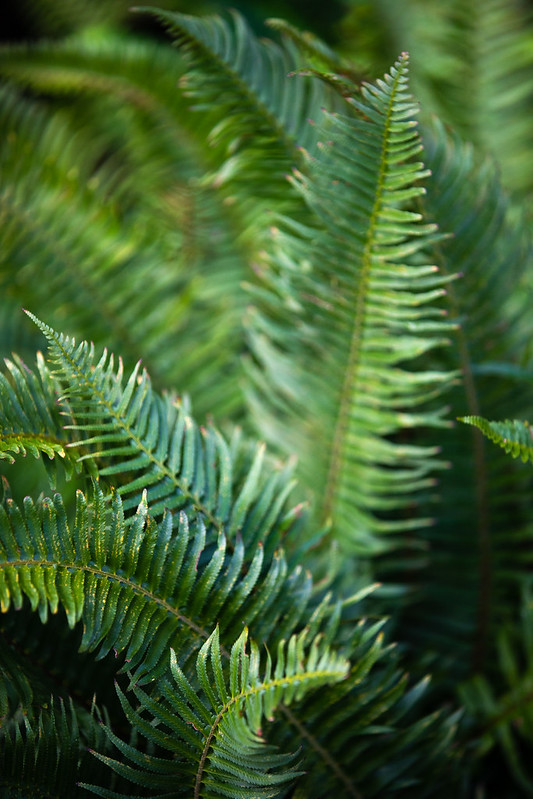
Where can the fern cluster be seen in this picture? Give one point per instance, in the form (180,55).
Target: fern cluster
(265,560)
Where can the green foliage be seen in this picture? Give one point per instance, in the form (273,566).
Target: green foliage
(513,436)
(206,559)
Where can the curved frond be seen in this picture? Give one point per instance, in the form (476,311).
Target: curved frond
(247,84)
(139,588)
(216,739)
(348,307)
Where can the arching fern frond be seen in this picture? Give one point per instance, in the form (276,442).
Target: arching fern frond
(216,738)
(247,84)
(145,442)
(259,114)
(348,306)
(515,437)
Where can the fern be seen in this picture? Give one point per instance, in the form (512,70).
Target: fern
(220,737)
(185,609)
(140,587)
(513,436)
(349,391)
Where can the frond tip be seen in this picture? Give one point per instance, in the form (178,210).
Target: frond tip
(514,436)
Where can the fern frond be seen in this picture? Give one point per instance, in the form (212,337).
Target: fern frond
(482,497)
(260,115)
(75,247)
(30,420)
(217,741)
(471,65)
(137,587)
(515,437)
(247,84)
(46,756)
(348,307)
(146,442)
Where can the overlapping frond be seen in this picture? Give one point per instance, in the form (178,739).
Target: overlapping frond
(471,64)
(348,306)
(247,86)
(140,587)
(215,733)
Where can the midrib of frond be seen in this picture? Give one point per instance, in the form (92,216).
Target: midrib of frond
(331,763)
(338,445)
(71,567)
(162,468)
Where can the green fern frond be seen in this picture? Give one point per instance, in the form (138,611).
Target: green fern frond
(348,307)
(46,756)
(471,65)
(515,437)
(247,83)
(83,241)
(30,422)
(150,443)
(217,741)
(259,113)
